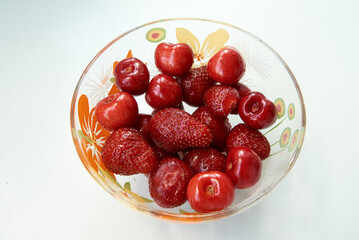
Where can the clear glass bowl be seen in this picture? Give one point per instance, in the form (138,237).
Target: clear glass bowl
(266,72)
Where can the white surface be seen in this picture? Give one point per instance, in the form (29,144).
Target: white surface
(45,192)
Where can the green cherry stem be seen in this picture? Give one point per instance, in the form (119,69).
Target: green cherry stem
(276,125)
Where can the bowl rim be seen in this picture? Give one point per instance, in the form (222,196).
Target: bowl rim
(193,217)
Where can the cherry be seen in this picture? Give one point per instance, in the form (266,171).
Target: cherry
(257,111)
(174,59)
(132,76)
(180,106)
(168,183)
(210,191)
(243,167)
(142,126)
(117,111)
(242,90)
(163,92)
(162,154)
(205,159)
(226,66)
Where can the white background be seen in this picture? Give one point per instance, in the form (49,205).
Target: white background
(45,192)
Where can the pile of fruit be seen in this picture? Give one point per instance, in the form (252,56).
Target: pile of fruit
(197,157)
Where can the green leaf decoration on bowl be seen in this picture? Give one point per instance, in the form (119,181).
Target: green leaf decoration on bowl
(127,188)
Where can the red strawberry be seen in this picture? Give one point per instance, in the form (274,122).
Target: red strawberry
(242,135)
(174,130)
(126,152)
(220,127)
(205,159)
(221,100)
(194,84)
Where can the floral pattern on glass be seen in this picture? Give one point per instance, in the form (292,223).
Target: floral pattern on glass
(203,52)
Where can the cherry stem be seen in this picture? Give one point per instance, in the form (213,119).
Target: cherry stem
(210,189)
(255,107)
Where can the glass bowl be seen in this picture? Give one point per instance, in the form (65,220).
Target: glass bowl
(266,72)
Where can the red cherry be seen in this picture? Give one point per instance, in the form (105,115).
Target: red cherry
(180,106)
(162,154)
(242,90)
(168,183)
(205,159)
(142,126)
(226,66)
(132,76)
(257,111)
(243,167)
(174,59)
(163,92)
(117,111)
(210,191)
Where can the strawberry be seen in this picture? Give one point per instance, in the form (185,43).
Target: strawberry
(174,130)
(242,135)
(220,127)
(221,100)
(168,182)
(205,159)
(194,84)
(126,152)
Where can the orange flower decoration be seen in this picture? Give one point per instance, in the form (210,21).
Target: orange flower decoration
(92,135)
